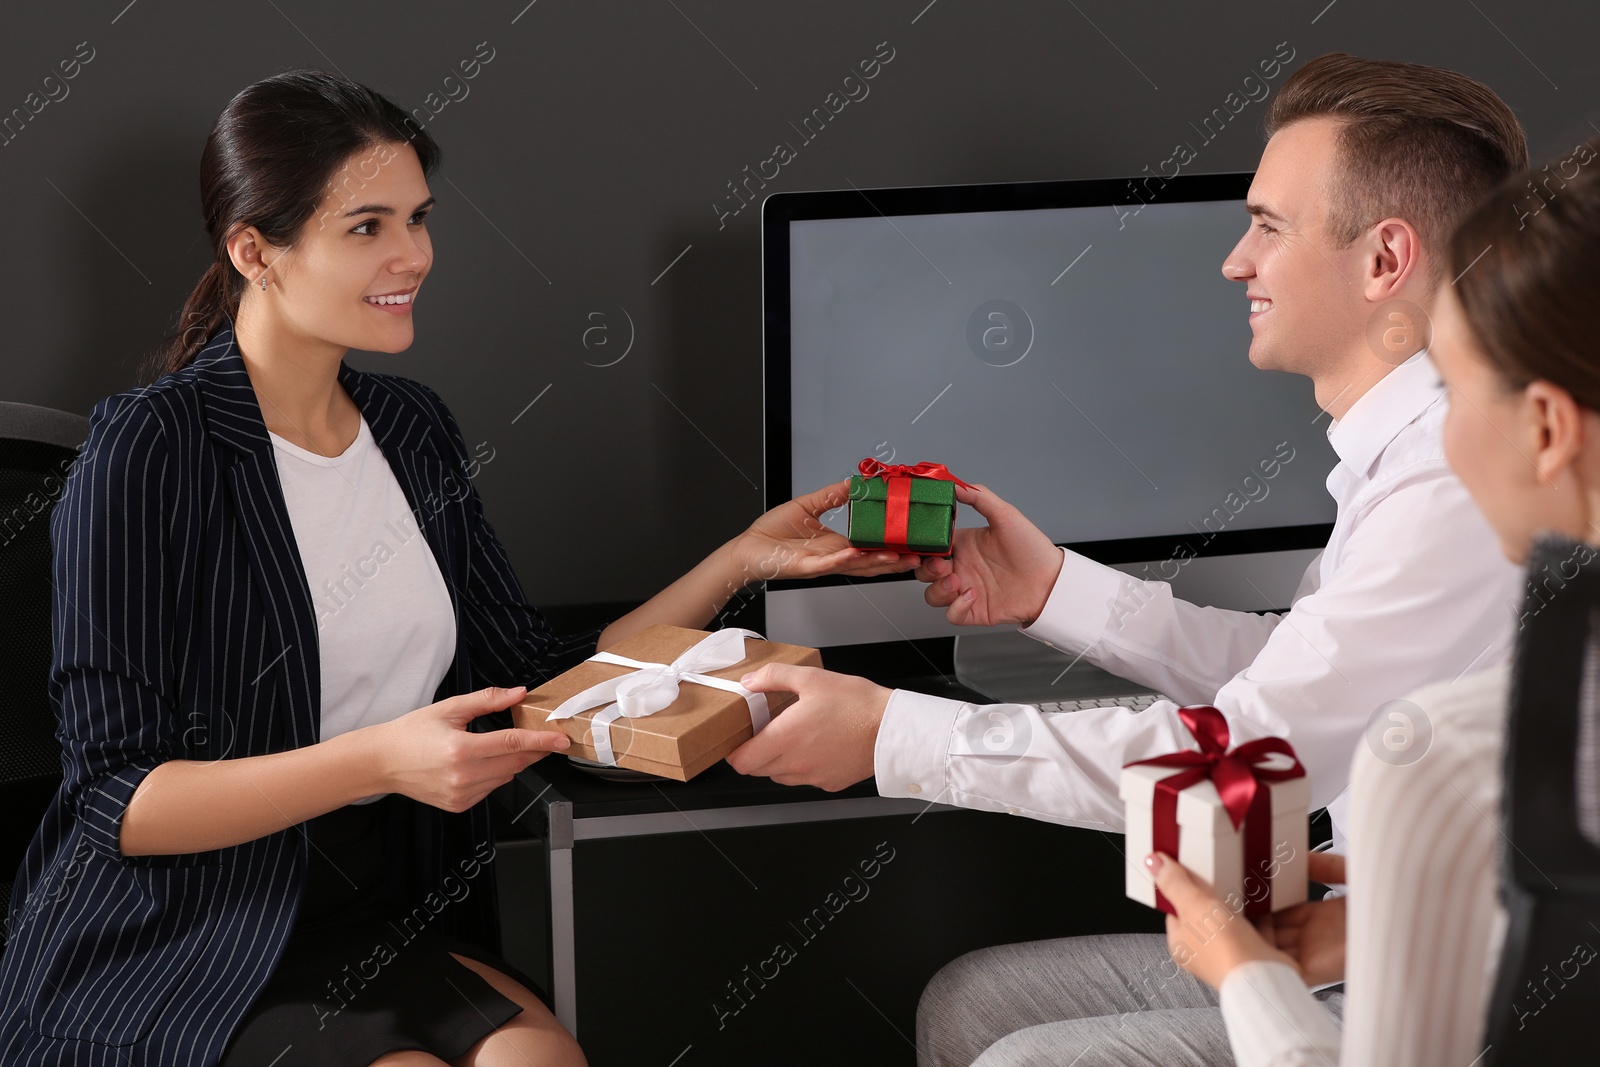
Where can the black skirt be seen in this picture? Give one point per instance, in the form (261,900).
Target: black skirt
(361,975)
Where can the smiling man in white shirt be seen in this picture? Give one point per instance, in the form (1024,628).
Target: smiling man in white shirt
(1367,168)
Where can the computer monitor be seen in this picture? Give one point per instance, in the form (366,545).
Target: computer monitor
(1072,345)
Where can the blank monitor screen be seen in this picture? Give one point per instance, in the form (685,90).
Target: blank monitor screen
(1080,354)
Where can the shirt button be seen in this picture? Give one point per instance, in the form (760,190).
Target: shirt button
(1012,811)
(913,788)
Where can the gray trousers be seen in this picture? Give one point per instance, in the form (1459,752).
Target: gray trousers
(1074,1002)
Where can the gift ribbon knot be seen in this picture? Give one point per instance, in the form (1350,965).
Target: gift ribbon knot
(652,687)
(1241,782)
(871,468)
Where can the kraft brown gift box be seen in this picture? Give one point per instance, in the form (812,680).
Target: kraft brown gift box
(699,728)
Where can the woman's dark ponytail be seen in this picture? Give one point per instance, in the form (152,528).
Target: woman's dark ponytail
(269,161)
(208,307)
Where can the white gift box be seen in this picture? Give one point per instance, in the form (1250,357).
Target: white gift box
(1209,845)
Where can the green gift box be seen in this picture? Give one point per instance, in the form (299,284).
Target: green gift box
(902,512)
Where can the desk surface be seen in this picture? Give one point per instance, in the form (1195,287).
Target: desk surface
(719,786)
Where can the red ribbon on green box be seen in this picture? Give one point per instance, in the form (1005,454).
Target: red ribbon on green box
(1240,782)
(916,517)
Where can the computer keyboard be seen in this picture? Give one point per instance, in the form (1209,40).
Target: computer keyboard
(1132,701)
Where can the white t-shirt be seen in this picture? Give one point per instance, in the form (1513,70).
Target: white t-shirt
(385,625)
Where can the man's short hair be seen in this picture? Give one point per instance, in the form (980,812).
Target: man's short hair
(1418,143)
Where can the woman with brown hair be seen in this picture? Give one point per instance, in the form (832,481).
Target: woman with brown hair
(277,606)
(1514,340)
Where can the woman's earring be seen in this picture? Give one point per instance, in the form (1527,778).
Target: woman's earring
(263,280)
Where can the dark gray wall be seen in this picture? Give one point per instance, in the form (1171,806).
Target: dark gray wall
(591,151)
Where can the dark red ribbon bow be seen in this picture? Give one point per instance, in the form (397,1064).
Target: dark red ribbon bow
(1239,783)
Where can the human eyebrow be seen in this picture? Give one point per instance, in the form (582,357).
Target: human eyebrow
(1263,211)
(385,209)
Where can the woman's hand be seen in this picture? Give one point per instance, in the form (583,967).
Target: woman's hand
(787,542)
(790,542)
(1206,938)
(431,756)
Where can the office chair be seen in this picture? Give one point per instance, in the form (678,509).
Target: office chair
(37,447)
(1547,990)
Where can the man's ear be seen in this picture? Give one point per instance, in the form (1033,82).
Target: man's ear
(1561,428)
(1391,258)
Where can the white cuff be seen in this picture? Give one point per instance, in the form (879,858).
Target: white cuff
(1273,1018)
(913,745)
(1079,606)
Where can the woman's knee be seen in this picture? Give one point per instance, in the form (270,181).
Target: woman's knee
(409,1058)
(534,1030)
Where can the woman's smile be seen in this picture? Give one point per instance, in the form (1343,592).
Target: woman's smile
(395,303)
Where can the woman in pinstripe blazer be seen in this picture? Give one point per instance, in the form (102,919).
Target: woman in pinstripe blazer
(159,893)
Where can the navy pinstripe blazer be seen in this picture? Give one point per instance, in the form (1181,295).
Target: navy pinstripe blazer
(184,629)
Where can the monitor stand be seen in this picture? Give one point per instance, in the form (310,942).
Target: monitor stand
(1011,667)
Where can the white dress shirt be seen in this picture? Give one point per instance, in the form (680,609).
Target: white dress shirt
(1425,923)
(1411,588)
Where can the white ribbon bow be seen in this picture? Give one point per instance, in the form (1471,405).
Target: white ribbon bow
(654,686)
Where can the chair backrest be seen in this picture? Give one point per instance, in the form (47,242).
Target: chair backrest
(37,447)
(1546,995)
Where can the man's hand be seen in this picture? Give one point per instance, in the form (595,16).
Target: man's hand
(826,738)
(999,573)
(1312,934)
(790,542)
(1206,938)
